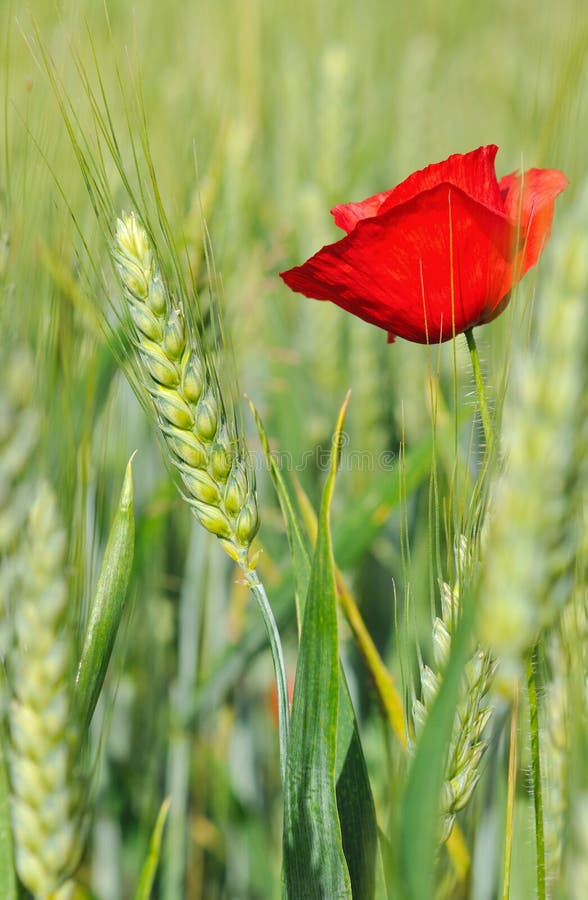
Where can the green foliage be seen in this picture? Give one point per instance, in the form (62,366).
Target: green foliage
(355,805)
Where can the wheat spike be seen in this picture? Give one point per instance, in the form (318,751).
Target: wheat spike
(219,484)
(565,732)
(473,712)
(43,754)
(19,433)
(203,445)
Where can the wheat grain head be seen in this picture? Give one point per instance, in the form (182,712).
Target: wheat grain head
(473,713)
(44,743)
(184,388)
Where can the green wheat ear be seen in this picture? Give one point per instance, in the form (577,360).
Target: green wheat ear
(19,435)
(179,379)
(473,712)
(47,791)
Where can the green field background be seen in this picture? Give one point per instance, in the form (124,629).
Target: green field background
(261,115)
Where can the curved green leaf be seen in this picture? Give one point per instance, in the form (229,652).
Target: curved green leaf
(108,605)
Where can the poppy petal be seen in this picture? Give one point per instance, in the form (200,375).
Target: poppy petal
(472,172)
(423,271)
(347,215)
(529,202)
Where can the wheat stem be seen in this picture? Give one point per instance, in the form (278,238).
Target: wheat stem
(510,797)
(258,591)
(536,770)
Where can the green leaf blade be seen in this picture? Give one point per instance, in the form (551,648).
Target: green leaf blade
(149,870)
(108,604)
(355,803)
(420,808)
(314,860)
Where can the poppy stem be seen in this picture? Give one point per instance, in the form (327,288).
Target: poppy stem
(487,423)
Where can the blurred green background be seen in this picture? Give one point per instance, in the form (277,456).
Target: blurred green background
(264,114)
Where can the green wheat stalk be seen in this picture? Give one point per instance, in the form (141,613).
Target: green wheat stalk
(201,440)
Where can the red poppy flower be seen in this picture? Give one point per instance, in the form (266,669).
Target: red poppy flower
(440,252)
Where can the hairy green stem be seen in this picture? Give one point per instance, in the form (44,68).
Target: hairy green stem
(510,798)
(536,770)
(487,423)
(260,595)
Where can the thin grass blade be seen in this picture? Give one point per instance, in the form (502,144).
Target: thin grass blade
(358,528)
(149,870)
